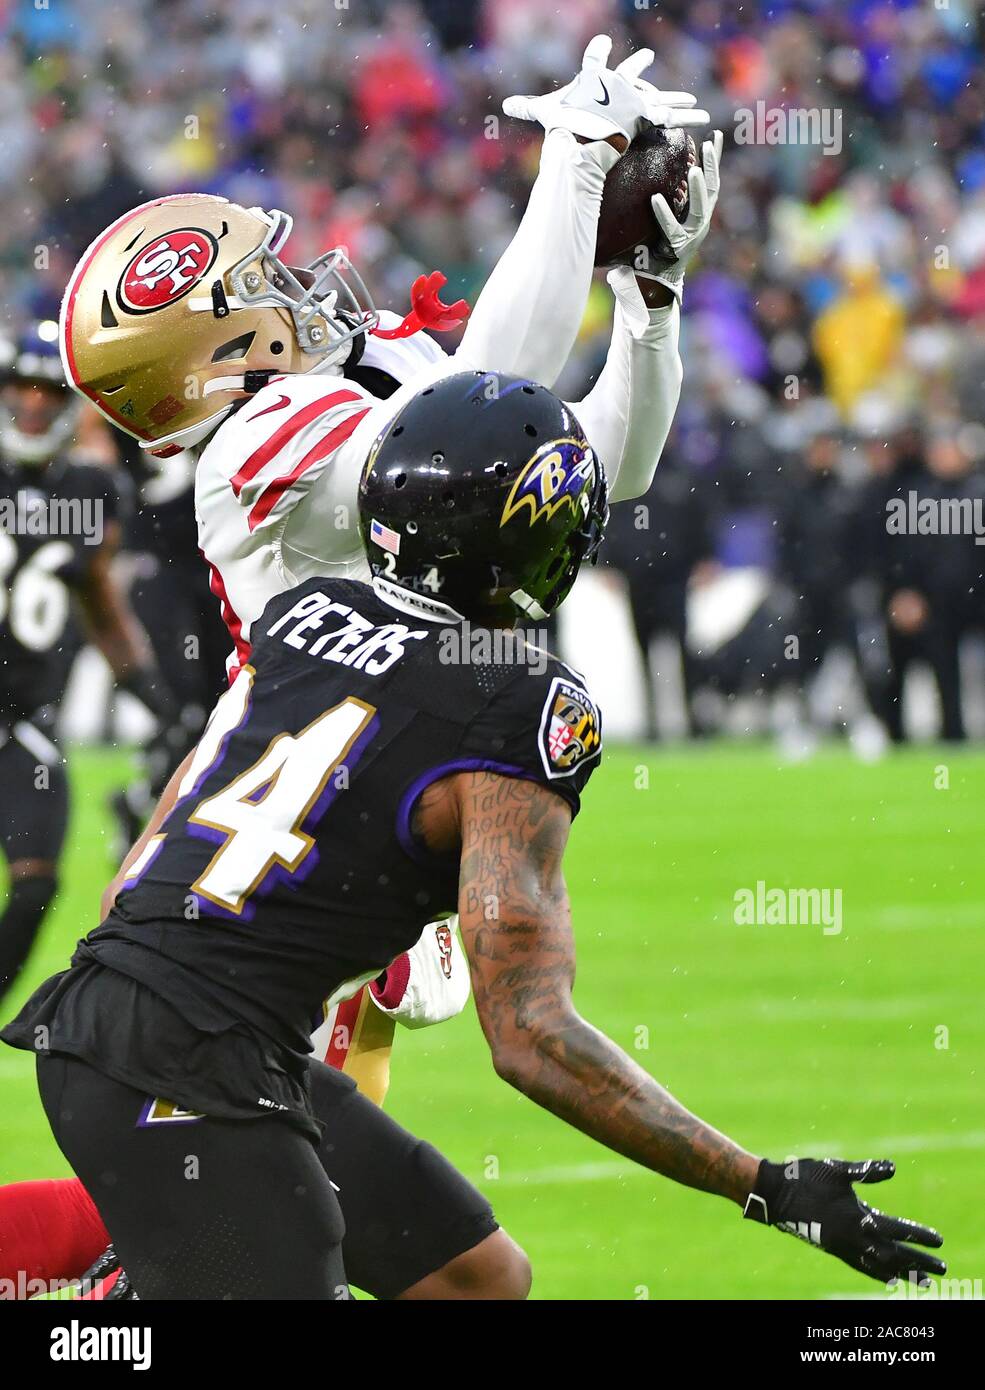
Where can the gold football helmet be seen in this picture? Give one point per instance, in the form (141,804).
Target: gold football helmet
(184,305)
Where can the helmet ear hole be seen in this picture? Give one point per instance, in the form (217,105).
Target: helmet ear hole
(235,347)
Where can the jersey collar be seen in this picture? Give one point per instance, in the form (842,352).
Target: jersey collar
(417,605)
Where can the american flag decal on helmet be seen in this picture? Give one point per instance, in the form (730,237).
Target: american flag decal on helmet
(383,536)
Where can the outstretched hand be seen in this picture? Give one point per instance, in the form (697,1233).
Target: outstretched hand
(815,1200)
(601,101)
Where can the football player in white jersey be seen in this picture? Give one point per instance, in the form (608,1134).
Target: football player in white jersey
(185,327)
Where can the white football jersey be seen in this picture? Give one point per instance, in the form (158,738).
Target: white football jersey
(276,485)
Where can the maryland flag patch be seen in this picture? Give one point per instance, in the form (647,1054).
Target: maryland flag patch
(570,728)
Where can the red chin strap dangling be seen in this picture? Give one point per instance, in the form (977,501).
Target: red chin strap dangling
(427,310)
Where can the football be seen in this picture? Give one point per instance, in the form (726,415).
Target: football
(656,162)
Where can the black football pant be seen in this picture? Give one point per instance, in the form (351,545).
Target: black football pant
(202,1208)
(659,607)
(33,821)
(243,1209)
(939,647)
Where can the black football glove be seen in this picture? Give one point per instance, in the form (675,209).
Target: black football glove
(813,1199)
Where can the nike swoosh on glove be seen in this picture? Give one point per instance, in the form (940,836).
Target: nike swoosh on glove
(602,101)
(813,1199)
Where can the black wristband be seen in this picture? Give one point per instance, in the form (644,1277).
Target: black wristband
(763,1201)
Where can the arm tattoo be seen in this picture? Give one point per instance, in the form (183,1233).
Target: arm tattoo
(516,925)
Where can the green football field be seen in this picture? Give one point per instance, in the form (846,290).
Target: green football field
(868,1042)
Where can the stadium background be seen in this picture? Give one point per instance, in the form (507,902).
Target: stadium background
(859,277)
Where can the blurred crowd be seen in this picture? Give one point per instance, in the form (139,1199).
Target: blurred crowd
(833,340)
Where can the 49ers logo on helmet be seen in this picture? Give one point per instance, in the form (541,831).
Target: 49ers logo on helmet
(165,270)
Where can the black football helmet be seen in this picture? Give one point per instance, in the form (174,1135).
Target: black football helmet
(483,493)
(38,413)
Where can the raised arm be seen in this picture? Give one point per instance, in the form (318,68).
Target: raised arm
(516,927)
(629,411)
(529,313)
(527,317)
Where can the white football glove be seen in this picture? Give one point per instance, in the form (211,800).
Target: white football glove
(685,237)
(429,983)
(603,101)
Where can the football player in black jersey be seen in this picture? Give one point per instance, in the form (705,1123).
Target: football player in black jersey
(58,533)
(371,766)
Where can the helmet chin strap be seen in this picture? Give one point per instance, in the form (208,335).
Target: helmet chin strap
(250,382)
(529,605)
(254,379)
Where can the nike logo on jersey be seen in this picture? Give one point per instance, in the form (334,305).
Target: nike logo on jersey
(605,98)
(277,405)
(286,432)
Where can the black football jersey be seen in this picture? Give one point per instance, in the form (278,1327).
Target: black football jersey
(289,867)
(160,517)
(51,523)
